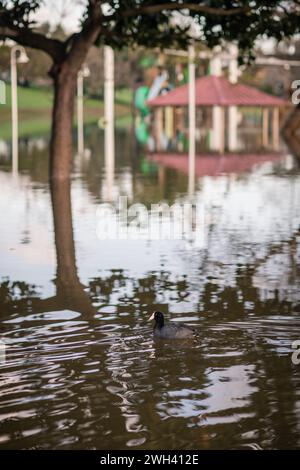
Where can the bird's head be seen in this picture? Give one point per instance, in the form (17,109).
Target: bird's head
(158,317)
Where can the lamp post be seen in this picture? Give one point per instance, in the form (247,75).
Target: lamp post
(17,56)
(192,120)
(83,73)
(233,110)
(217,111)
(109,130)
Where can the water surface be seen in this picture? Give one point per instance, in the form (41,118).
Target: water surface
(82,369)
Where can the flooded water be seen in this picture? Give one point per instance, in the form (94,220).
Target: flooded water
(81,367)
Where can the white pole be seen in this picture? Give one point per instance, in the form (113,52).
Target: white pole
(233,64)
(232,110)
(192,120)
(80,134)
(216,70)
(22,59)
(109,133)
(14,110)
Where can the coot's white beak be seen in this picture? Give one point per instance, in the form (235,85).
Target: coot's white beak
(152,317)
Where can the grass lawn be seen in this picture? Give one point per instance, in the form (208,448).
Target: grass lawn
(35,111)
(124,96)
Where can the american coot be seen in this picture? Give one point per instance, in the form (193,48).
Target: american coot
(172,330)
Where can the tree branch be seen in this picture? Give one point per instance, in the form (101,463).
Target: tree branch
(29,38)
(79,44)
(152,9)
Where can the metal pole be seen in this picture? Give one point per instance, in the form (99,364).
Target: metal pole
(192,120)
(232,110)
(22,59)
(14,111)
(80,132)
(109,134)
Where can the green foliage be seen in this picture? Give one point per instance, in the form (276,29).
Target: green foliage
(124,96)
(154,23)
(18,12)
(254,18)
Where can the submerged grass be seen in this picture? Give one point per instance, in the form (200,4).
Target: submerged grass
(35,112)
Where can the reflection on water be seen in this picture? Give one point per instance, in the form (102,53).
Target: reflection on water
(82,369)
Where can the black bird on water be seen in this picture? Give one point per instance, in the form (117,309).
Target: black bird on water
(172,330)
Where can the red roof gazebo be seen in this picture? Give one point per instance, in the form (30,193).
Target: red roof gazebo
(218,91)
(219,100)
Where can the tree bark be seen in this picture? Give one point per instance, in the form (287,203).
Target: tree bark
(64,74)
(61,148)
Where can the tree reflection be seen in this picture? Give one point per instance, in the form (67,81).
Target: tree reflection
(70,292)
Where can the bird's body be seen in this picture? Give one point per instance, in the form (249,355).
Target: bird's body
(172,330)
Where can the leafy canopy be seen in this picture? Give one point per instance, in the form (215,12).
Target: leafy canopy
(158,23)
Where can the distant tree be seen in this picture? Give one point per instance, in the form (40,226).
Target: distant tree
(127,23)
(36,69)
(4,60)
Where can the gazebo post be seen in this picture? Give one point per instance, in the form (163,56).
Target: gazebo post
(265,127)
(174,123)
(158,127)
(169,122)
(215,127)
(275,128)
(222,130)
(232,127)
(218,128)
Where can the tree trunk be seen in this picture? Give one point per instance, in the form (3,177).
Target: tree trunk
(62,121)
